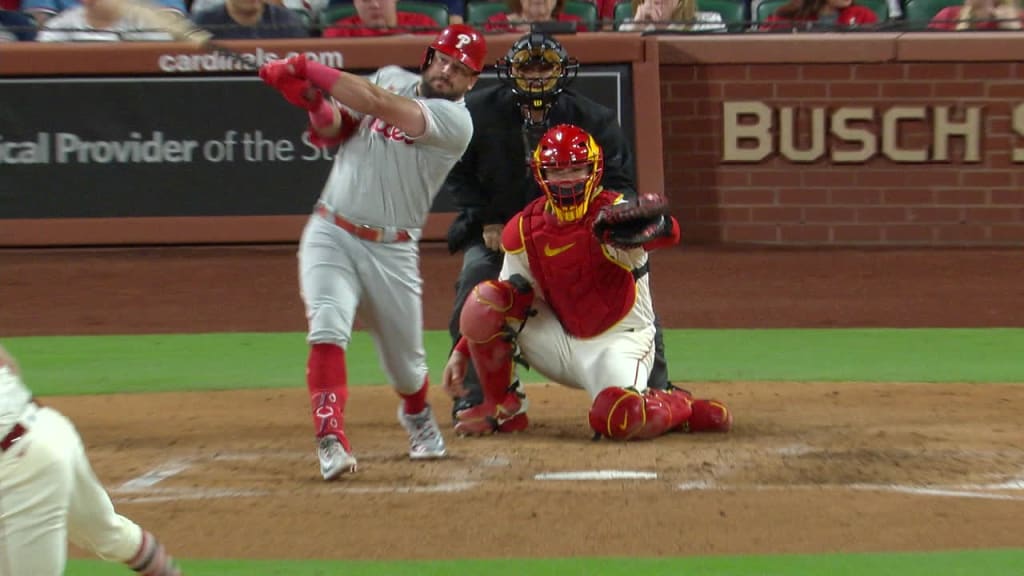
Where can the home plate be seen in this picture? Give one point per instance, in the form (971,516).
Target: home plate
(598,475)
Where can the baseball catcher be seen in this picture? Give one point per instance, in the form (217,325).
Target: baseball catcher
(573,301)
(492,181)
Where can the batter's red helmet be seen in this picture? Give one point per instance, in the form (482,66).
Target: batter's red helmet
(461,42)
(568,146)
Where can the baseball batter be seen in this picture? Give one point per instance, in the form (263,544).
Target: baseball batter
(49,493)
(399,135)
(577,310)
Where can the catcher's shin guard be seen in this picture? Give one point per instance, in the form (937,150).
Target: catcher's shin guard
(483,322)
(678,404)
(626,414)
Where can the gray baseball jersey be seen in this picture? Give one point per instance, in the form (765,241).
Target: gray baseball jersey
(381,177)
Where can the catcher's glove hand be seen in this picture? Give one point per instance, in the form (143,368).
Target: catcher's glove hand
(630,225)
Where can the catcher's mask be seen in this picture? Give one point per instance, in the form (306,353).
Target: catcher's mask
(538,69)
(568,165)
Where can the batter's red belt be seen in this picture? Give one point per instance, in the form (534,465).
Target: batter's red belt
(17,432)
(369,233)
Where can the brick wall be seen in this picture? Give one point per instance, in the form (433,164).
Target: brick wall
(875,202)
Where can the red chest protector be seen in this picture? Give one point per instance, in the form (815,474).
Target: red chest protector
(588,291)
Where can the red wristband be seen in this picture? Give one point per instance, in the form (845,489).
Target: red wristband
(323,77)
(462,346)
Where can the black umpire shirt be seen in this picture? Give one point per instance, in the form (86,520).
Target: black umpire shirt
(493,181)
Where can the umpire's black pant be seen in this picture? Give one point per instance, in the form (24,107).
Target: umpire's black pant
(480,263)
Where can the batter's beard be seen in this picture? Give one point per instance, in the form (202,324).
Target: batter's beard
(427,91)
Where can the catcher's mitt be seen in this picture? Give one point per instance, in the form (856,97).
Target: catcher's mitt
(632,224)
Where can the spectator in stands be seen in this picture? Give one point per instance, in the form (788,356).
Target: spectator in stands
(43,10)
(606,12)
(456,10)
(522,13)
(16,26)
(979,15)
(5,34)
(238,19)
(381,18)
(680,15)
(819,15)
(96,21)
(309,10)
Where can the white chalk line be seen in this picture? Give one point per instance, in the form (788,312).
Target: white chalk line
(977,491)
(143,488)
(183,494)
(598,475)
(155,476)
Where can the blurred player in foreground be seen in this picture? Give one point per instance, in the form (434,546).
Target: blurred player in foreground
(49,494)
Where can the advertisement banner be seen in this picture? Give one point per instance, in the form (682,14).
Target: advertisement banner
(179,146)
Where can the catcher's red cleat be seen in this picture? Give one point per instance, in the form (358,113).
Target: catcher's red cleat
(509,415)
(517,423)
(709,416)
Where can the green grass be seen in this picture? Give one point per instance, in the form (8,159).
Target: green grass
(967,563)
(104,364)
(93,365)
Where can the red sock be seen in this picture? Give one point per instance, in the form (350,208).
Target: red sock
(327,382)
(417,401)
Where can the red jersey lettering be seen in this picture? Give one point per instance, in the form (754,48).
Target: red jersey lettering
(388,131)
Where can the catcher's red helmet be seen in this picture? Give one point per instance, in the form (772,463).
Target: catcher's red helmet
(561,151)
(461,42)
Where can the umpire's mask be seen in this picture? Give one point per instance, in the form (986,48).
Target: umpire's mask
(537,69)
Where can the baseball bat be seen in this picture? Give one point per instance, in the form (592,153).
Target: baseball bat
(180,28)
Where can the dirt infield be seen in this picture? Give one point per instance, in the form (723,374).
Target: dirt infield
(809,467)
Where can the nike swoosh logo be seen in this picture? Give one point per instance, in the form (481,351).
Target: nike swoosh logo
(549,251)
(625,422)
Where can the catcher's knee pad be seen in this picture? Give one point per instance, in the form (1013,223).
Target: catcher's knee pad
(618,413)
(484,323)
(625,414)
(490,306)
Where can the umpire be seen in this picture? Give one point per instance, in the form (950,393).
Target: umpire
(492,182)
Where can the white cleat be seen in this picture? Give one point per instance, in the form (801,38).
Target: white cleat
(425,440)
(334,459)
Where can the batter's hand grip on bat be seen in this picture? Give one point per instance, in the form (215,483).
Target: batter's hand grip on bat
(298,91)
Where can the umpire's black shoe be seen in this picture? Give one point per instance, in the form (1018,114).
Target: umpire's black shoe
(476,397)
(464,403)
